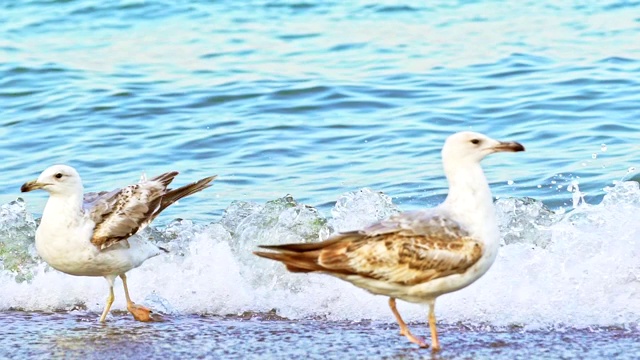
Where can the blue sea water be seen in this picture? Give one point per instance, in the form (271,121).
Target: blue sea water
(324,101)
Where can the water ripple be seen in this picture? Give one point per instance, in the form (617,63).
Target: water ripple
(318,99)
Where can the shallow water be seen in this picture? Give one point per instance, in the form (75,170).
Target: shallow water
(254,337)
(332,103)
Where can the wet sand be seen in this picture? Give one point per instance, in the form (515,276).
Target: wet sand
(79,335)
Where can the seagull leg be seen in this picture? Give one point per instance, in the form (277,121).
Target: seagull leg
(435,344)
(139,312)
(110,298)
(404,329)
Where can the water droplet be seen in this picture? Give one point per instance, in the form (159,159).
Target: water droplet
(510,182)
(577,195)
(553,181)
(560,186)
(594,156)
(539,186)
(584,164)
(603,147)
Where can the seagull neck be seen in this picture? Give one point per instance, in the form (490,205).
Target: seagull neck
(58,203)
(469,193)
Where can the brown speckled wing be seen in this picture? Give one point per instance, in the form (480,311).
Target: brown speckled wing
(121,213)
(409,248)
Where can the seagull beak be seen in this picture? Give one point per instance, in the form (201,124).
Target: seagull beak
(32,185)
(508,146)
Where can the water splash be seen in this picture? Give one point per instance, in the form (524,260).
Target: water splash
(576,269)
(524,220)
(17,252)
(355,210)
(577,196)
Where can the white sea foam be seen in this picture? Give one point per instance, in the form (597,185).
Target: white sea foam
(577,269)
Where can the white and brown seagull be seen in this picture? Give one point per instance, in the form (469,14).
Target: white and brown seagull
(417,256)
(89,234)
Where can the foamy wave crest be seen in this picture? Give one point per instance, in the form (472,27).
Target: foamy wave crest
(575,269)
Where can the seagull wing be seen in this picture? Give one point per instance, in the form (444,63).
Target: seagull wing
(121,213)
(91,197)
(409,248)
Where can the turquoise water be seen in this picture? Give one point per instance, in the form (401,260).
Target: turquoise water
(321,101)
(316,99)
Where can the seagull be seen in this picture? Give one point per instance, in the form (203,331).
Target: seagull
(417,256)
(90,234)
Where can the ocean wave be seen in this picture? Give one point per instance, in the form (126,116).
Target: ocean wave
(555,269)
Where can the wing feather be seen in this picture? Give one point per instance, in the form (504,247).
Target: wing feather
(121,213)
(409,248)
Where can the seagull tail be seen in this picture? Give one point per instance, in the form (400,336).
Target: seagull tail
(301,257)
(295,262)
(305,257)
(176,194)
(165,178)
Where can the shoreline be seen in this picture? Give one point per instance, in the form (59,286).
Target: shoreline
(37,335)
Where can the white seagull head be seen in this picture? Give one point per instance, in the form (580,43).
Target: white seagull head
(471,147)
(56,180)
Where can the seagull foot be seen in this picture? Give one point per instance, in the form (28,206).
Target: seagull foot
(142,313)
(414,339)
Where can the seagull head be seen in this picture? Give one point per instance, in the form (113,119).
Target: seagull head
(57,179)
(467,146)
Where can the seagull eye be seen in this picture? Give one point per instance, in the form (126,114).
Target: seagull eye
(58,176)
(475,141)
